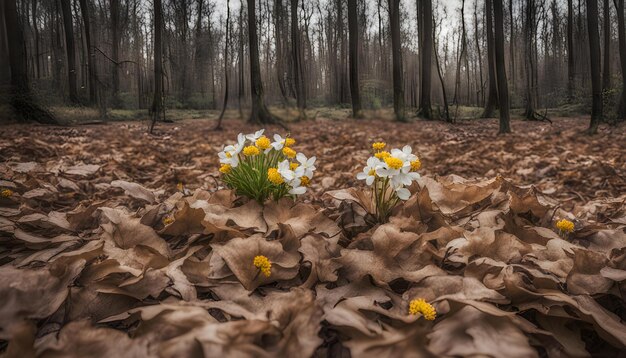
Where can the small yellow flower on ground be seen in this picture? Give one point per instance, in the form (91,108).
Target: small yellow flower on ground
(289,153)
(6,193)
(379,145)
(274,176)
(264,264)
(289,142)
(293,166)
(225,168)
(168,220)
(421,306)
(394,163)
(565,226)
(416,165)
(305,181)
(382,155)
(251,151)
(263,143)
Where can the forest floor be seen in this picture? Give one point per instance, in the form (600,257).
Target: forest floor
(90,266)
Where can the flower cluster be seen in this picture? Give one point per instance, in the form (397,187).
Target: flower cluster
(389,173)
(565,226)
(260,169)
(264,264)
(421,306)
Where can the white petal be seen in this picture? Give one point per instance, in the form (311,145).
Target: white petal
(301,158)
(369,180)
(403,193)
(298,190)
(361,176)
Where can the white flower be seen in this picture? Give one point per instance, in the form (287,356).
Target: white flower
(285,171)
(235,149)
(279,142)
(306,167)
(255,136)
(406,155)
(369,172)
(228,158)
(296,188)
(403,193)
(404,178)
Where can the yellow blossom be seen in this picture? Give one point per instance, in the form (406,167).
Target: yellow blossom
(264,264)
(225,168)
(229,155)
(382,155)
(565,226)
(6,193)
(180,186)
(293,166)
(416,165)
(379,145)
(372,172)
(288,152)
(289,142)
(394,163)
(305,181)
(274,176)
(251,151)
(168,220)
(263,143)
(421,306)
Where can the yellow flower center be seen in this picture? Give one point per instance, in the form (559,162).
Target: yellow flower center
(168,220)
(394,163)
(416,165)
(229,155)
(6,193)
(263,143)
(379,145)
(372,172)
(423,307)
(305,181)
(382,155)
(274,176)
(289,142)
(251,151)
(293,166)
(264,264)
(565,226)
(289,153)
(225,168)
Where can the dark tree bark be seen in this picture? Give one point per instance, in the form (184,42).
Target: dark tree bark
(13,57)
(240,93)
(226,66)
(462,57)
(571,64)
(296,56)
(425,110)
(157,103)
(396,52)
(259,113)
(446,111)
(492,98)
(278,34)
(529,63)
(66,9)
(606,69)
(115,46)
(353,29)
(594,56)
(91,61)
(480,91)
(503,89)
(621,28)
(36,38)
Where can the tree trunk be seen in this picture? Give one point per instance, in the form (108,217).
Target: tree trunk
(70,50)
(480,90)
(36,36)
(280,63)
(571,64)
(259,113)
(492,98)
(115,47)
(529,63)
(157,103)
(91,59)
(226,66)
(425,110)
(353,29)
(503,90)
(13,54)
(621,28)
(594,56)
(446,111)
(296,55)
(396,52)
(606,70)
(240,62)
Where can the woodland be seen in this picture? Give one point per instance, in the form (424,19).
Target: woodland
(312,178)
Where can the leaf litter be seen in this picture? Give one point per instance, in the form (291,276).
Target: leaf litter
(116,243)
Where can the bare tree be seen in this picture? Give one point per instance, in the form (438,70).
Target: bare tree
(91,60)
(296,55)
(571,64)
(157,103)
(606,69)
(226,67)
(425,110)
(594,54)
(353,29)
(70,50)
(492,97)
(503,89)
(619,6)
(396,52)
